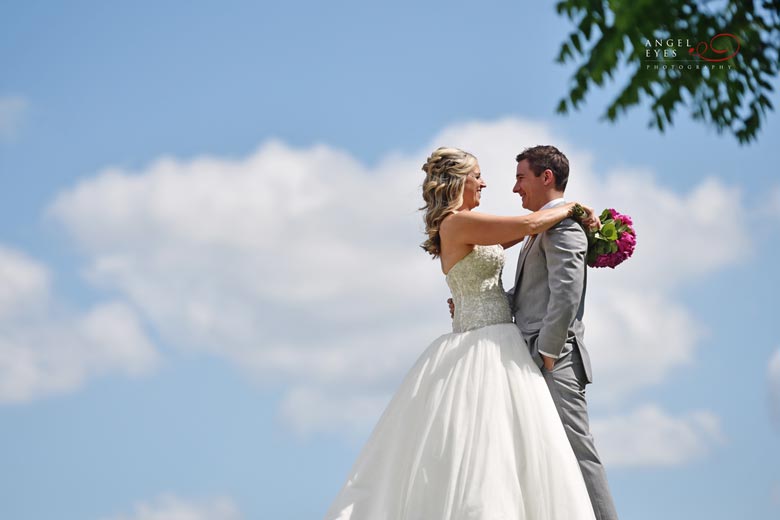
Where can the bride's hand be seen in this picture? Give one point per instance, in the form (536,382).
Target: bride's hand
(590,220)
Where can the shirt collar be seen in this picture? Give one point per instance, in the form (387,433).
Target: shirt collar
(554,202)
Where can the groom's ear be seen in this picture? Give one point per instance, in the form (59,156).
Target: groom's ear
(548,176)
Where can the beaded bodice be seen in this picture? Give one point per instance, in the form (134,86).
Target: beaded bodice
(477,291)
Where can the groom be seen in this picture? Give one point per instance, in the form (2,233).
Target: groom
(548,301)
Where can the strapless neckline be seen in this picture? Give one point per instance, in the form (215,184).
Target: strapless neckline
(477,292)
(461,260)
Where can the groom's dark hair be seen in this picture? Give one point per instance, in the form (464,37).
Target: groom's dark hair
(544,157)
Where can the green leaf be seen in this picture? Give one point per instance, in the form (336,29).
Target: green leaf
(575,41)
(591,258)
(609,231)
(603,247)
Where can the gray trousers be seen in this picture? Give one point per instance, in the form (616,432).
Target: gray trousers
(567,387)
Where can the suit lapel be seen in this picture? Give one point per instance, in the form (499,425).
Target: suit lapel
(527,249)
(523,254)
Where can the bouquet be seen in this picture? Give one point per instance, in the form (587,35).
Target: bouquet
(613,243)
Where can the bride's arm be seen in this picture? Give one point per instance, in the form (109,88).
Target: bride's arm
(470,227)
(507,245)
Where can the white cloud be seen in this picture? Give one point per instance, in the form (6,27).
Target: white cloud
(12,112)
(47,350)
(308,410)
(170,507)
(774,387)
(292,263)
(648,436)
(25,283)
(636,337)
(302,265)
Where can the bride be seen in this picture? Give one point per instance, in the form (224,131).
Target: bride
(472,432)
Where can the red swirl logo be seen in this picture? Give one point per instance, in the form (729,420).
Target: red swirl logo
(724,47)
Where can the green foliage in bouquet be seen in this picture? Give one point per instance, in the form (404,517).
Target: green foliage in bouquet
(602,242)
(615,230)
(613,243)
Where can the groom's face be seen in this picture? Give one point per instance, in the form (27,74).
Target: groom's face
(531,188)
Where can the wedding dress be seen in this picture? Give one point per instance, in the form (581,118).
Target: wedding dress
(472,433)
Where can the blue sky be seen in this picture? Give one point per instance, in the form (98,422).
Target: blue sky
(200,210)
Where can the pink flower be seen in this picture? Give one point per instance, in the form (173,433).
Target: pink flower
(625,241)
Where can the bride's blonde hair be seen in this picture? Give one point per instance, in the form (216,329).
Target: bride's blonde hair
(445,177)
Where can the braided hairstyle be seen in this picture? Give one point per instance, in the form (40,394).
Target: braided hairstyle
(445,177)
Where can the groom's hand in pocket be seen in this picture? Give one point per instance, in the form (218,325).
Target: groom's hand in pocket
(549,363)
(452,307)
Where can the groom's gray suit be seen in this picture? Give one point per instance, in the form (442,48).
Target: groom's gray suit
(548,301)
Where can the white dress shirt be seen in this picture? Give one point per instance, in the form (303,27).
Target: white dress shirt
(551,204)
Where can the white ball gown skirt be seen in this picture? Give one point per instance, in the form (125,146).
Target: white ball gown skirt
(471,434)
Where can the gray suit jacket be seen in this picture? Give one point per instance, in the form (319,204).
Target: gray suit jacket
(548,299)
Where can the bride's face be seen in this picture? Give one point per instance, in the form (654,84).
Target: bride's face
(472,189)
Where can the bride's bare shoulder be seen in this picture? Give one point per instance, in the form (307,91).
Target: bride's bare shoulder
(447,222)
